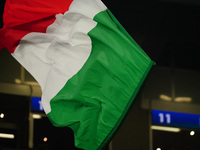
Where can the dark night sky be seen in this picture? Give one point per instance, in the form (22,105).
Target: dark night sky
(168,31)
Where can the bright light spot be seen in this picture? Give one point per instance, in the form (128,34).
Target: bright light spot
(168,129)
(45,139)
(37,116)
(192,133)
(158,148)
(183,99)
(165,97)
(2,115)
(7,136)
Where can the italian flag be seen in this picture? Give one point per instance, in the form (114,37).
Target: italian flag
(89,68)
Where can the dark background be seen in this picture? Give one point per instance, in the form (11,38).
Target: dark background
(167,30)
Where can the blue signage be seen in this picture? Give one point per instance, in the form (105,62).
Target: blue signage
(175,119)
(36,104)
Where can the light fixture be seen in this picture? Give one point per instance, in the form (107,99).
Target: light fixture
(183,99)
(176,99)
(192,133)
(45,139)
(158,148)
(169,129)
(165,97)
(2,115)
(7,136)
(37,116)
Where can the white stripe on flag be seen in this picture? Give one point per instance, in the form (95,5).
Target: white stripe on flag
(54,57)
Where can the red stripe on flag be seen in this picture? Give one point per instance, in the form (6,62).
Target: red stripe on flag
(24,16)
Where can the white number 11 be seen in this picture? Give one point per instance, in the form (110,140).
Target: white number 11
(162,117)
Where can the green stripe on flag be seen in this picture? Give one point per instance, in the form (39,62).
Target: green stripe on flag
(95,100)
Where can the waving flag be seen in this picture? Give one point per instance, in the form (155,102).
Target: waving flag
(89,68)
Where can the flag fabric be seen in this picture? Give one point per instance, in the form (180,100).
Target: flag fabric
(89,68)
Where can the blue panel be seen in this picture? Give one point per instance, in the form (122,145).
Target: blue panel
(175,119)
(36,104)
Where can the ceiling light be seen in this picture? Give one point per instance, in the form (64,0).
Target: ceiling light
(176,99)
(165,97)
(7,136)
(192,133)
(2,115)
(183,99)
(37,116)
(45,139)
(169,129)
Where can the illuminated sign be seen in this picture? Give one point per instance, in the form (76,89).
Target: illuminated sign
(36,104)
(175,119)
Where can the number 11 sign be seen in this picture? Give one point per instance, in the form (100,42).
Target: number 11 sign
(175,119)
